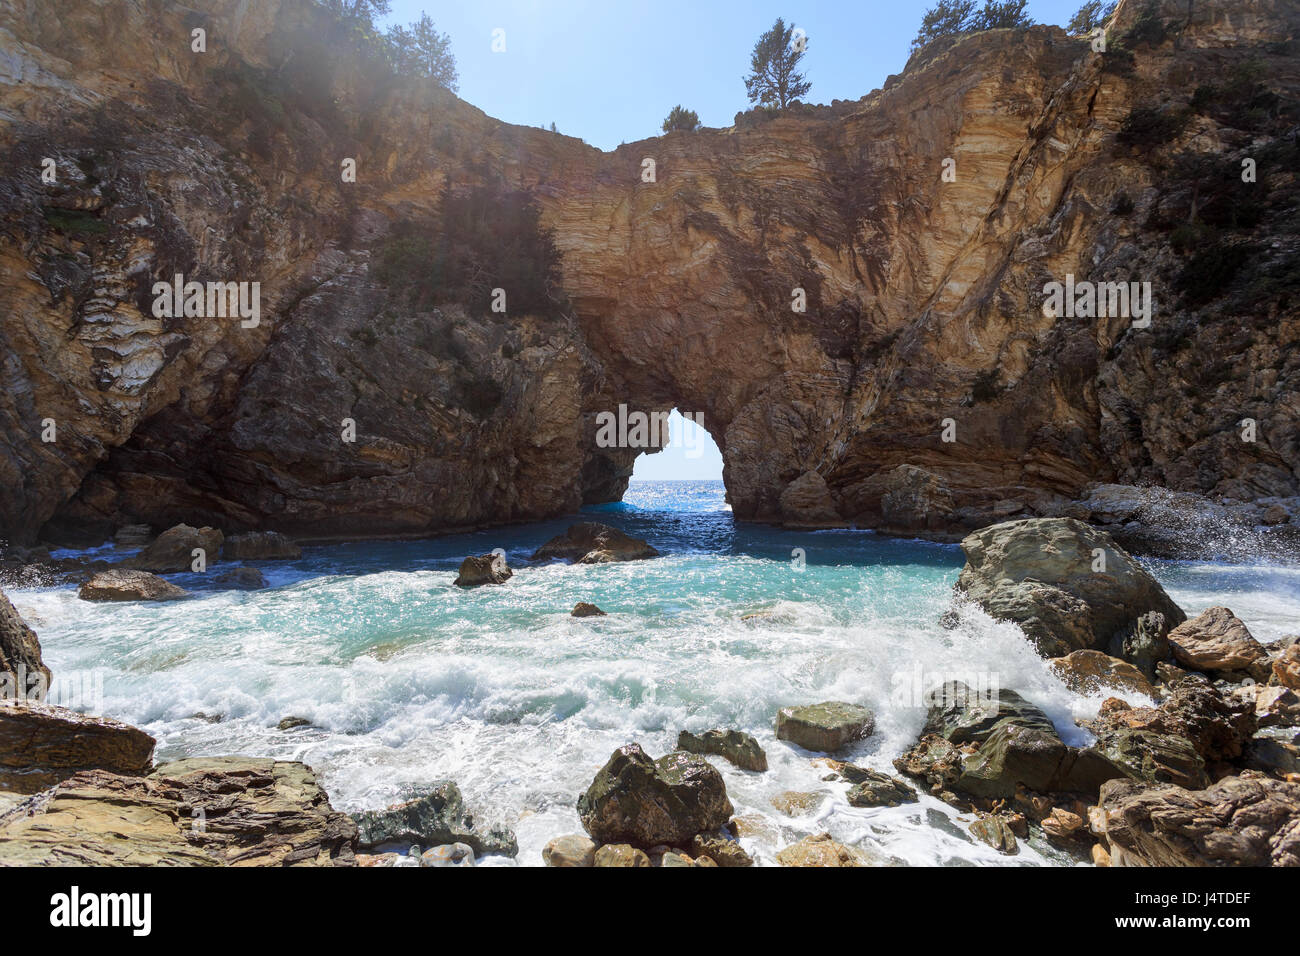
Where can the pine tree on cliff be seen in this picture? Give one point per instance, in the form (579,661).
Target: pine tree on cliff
(420,50)
(773,79)
(681,118)
(955,17)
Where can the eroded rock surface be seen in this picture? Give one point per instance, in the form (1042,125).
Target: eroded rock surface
(41,745)
(926,298)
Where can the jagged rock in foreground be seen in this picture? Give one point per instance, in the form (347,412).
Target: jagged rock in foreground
(1087,672)
(646,803)
(42,744)
(436,818)
(1246,820)
(206,811)
(20,653)
(118,584)
(477,570)
(589,542)
(1047,575)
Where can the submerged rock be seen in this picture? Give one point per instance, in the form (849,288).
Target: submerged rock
(649,802)
(434,819)
(173,550)
(260,546)
(477,570)
(41,745)
(735,746)
(1040,574)
(242,579)
(825,727)
(583,609)
(118,584)
(1216,640)
(590,542)
(1246,820)
(215,811)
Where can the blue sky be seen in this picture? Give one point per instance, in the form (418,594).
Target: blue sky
(608,71)
(691,455)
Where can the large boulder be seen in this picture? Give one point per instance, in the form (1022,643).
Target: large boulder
(260,546)
(1286,669)
(736,746)
(1040,574)
(477,570)
(436,818)
(915,501)
(217,811)
(21,666)
(646,802)
(118,584)
(1247,820)
(590,542)
(41,745)
(825,727)
(173,550)
(962,715)
(1216,640)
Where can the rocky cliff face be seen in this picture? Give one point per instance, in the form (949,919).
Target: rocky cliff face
(379,392)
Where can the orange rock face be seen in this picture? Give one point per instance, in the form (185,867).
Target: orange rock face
(812,284)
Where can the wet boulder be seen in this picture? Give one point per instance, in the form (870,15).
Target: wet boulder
(242,579)
(1087,672)
(821,850)
(825,727)
(20,653)
(570,850)
(1067,585)
(645,802)
(477,570)
(584,609)
(436,818)
(734,746)
(874,789)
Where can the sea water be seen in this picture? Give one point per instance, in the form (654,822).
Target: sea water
(407,680)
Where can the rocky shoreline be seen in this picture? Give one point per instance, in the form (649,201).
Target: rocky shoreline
(1208,775)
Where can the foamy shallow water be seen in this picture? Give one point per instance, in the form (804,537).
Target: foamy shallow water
(407,679)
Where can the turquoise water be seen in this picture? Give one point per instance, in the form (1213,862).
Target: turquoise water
(407,679)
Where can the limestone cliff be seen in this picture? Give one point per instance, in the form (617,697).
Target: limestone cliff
(925,298)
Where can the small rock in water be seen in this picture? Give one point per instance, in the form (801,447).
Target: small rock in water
(821,850)
(879,790)
(736,746)
(573,849)
(173,550)
(438,817)
(590,542)
(720,848)
(477,570)
(825,727)
(289,723)
(996,832)
(583,609)
(449,854)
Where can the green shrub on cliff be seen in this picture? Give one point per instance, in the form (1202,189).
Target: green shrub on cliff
(680,118)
